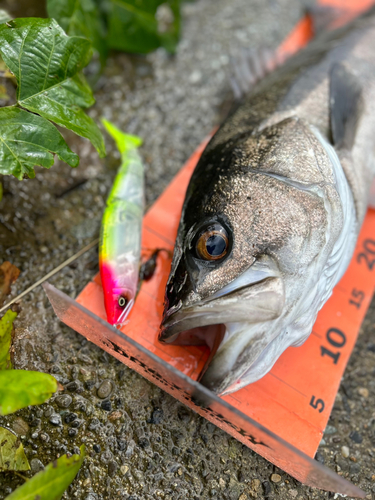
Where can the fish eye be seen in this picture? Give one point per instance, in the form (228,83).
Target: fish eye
(212,243)
(122,301)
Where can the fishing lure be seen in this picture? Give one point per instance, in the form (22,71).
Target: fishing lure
(120,239)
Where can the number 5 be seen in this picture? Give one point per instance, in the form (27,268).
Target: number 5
(315,404)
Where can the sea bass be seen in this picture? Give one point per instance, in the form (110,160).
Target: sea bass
(273,209)
(120,239)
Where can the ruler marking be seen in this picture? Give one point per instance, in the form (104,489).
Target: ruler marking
(286,383)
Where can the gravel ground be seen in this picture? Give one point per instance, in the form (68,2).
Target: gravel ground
(141,443)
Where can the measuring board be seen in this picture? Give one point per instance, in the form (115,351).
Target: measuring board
(282,416)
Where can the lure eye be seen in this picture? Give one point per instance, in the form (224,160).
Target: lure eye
(212,244)
(122,301)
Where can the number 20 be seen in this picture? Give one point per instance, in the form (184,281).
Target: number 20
(368,255)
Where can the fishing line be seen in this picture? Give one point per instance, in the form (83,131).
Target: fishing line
(52,273)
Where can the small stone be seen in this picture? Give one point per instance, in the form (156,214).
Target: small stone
(330,429)
(275,478)
(55,419)
(124,469)
(44,437)
(36,465)
(105,389)
(97,448)
(79,405)
(112,468)
(130,449)
(243,497)
(20,427)
(72,432)
(144,442)
(70,417)
(76,424)
(195,77)
(106,457)
(34,435)
(356,437)
(293,493)
(319,457)
(180,471)
(86,359)
(345,451)
(94,424)
(354,468)
(106,405)
(185,415)
(35,422)
(89,384)
(91,496)
(74,372)
(363,392)
(255,484)
(72,386)
(115,415)
(49,411)
(121,444)
(267,488)
(157,416)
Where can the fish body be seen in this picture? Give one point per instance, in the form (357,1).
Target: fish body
(273,209)
(120,240)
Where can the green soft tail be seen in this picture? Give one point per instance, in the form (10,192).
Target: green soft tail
(124,142)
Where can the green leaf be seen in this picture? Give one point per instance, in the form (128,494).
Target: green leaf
(6,326)
(80,18)
(27,140)
(124,142)
(12,455)
(50,483)
(46,63)
(144,25)
(21,388)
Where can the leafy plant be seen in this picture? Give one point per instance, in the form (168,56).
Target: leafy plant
(47,66)
(18,389)
(132,25)
(21,388)
(143,26)
(80,18)
(50,483)
(12,454)
(6,326)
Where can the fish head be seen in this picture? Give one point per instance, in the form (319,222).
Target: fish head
(118,295)
(250,238)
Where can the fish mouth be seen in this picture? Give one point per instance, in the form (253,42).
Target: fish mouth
(206,322)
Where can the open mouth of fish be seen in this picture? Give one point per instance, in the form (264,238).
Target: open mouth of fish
(210,322)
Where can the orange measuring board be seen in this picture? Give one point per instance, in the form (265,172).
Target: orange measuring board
(283,415)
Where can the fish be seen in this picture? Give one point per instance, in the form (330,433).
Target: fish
(121,230)
(273,209)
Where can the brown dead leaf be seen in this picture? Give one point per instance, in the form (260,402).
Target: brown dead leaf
(8,275)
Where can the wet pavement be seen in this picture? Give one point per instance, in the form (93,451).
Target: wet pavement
(141,443)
